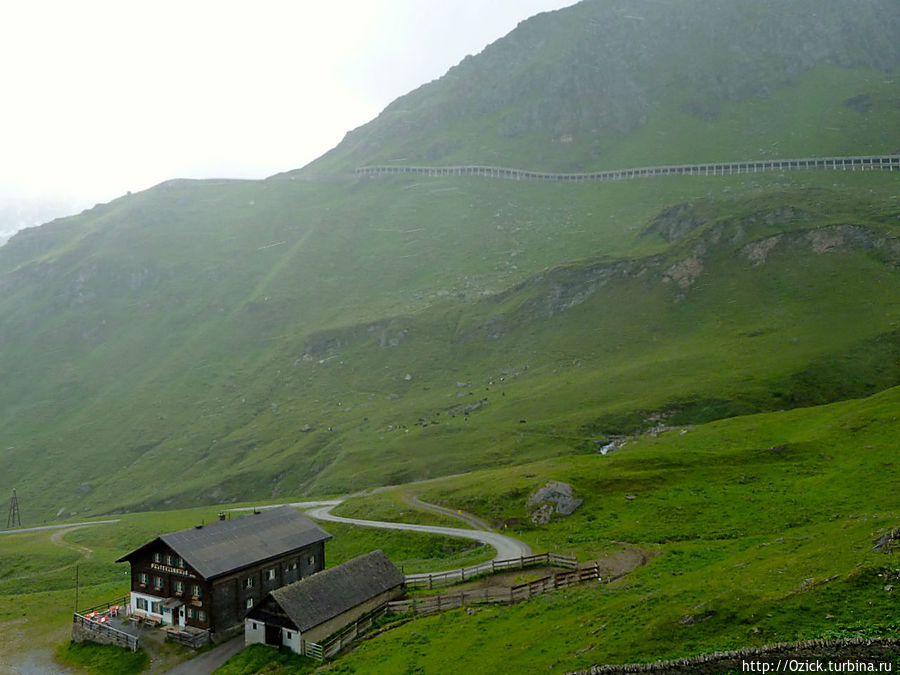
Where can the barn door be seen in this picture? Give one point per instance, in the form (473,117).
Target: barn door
(273,635)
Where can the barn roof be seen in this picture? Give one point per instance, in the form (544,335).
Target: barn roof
(224,546)
(325,595)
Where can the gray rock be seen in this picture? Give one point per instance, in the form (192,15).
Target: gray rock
(541,515)
(558,495)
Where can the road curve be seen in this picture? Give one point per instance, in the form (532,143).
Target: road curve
(506,547)
(57,527)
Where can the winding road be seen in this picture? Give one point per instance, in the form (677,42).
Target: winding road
(506,547)
(57,527)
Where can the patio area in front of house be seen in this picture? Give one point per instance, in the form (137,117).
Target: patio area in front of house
(166,645)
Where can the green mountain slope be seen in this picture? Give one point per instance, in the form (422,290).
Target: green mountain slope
(223,378)
(760,530)
(206,341)
(615,83)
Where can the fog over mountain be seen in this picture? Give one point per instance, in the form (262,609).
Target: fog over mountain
(18,213)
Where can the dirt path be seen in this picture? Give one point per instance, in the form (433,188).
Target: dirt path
(612,567)
(57,538)
(468,518)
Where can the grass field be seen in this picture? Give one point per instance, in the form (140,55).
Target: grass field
(228,380)
(38,571)
(764,526)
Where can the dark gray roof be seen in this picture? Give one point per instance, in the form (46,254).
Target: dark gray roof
(325,595)
(227,545)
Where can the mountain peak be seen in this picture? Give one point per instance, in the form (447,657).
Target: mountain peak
(564,89)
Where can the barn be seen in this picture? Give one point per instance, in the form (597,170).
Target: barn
(209,576)
(316,607)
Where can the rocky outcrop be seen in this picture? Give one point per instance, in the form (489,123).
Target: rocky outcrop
(386,334)
(554,497)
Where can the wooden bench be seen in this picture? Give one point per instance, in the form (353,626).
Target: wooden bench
(137,616)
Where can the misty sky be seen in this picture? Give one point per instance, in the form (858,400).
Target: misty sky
(103,97)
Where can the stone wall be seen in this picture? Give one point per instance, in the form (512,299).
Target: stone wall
(84,633)
(855,649)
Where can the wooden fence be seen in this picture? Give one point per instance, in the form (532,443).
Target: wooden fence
(104,633)
(188,639)
(515,594)
(123,603)
(438,579)
(331,646)
(334,644)
(858,163)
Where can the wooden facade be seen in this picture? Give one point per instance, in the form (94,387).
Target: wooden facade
(312,609)
(209,577)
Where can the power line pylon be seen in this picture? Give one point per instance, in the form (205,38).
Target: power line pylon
(14,519)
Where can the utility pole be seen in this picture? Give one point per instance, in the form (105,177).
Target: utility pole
(14,519)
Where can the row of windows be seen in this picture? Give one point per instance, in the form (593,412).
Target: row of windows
(159,583)
(144,604)
(168,559)
(271,573)
(197,614)
(156,608)
(178,561)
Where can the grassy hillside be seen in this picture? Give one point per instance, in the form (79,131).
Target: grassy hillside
(247,339)
(762,529)
(613,83)
(243,369)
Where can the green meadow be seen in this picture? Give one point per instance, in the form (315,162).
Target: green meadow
(760,529)
(38,571)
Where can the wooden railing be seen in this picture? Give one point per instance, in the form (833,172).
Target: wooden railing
(332,645)
(857,163)
(123,603)
(515,594)
(191,640)
(438,579)
(107,633)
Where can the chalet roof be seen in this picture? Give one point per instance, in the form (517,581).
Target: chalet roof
(325,595)
(224,546)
